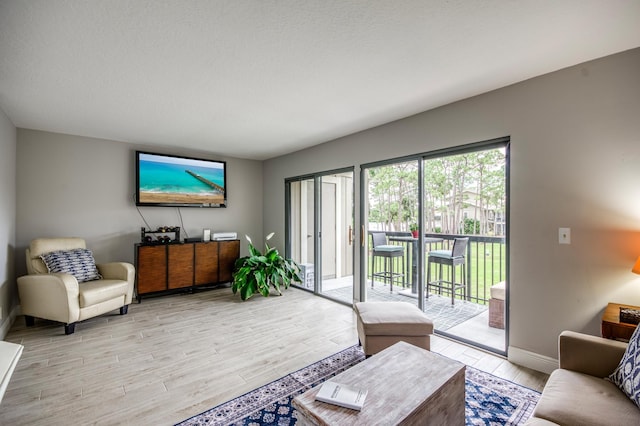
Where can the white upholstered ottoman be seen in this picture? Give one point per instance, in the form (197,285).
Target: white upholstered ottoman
(382,324)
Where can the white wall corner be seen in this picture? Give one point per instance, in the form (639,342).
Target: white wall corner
(9,320)
(532,360)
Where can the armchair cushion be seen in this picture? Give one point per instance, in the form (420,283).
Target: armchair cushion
(77,262)
(98,291)
(627,375)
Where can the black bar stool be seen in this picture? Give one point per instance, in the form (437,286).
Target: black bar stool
(387,252)
(451,258)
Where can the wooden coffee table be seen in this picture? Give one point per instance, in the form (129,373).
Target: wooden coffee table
(407,385)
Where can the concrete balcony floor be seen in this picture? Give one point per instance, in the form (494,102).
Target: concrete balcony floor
(464,319)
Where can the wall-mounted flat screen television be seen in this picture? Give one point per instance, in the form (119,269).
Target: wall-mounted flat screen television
(175,181)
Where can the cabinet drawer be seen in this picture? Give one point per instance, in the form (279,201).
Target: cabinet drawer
(152,269)
(206,263)
(229,253)
(180,265)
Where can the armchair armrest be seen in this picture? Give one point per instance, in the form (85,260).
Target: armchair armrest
(50,296)
(592,355)
(119,271)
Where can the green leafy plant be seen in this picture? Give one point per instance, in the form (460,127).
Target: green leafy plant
(413,227)
(258,272)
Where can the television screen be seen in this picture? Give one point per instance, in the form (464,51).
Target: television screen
(169,180)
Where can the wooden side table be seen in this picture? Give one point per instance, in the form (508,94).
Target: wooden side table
(612,328)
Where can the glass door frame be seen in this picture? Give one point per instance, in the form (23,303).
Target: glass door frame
(317,216)
(502,142)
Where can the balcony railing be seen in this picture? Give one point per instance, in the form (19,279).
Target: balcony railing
(485,261)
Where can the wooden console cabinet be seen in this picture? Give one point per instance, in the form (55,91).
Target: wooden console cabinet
(183,266)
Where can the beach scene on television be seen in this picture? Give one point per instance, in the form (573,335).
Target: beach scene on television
(173,180)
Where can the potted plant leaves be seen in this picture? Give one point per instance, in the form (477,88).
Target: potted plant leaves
(414,230)
(260,272)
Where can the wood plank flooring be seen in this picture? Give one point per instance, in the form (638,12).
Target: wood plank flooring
(173,357)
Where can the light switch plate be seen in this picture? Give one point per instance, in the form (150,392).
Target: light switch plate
(564,235)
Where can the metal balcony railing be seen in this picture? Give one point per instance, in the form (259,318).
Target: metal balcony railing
(485,261)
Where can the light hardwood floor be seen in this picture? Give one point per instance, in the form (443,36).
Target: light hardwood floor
(175,356)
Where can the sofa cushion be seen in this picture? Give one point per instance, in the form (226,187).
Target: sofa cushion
(571,398)
(534,421)
(40,246)
(77,262)
(94,292)
(627,375)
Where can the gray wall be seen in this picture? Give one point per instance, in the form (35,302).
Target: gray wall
(78,186)
(575,162)
(8,294)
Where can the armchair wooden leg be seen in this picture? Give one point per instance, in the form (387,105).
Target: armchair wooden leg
(69,328)
(29,320)
(124,309)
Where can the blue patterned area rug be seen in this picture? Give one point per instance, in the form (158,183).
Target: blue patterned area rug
(490,400)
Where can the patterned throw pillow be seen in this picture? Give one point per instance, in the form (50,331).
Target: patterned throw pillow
(77,262)
(627,375)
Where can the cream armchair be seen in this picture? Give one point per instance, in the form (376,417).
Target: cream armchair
(60,297)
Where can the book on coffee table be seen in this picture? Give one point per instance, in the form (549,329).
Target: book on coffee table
(342,395)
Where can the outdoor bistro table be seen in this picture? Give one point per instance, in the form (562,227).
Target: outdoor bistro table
(414,255)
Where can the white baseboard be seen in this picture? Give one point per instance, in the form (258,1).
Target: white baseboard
(8,322)
(532,360)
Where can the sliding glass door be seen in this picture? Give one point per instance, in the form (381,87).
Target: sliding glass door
(301,228)
(391,211)
(435,235)
(320,232)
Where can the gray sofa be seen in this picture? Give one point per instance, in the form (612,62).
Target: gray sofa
(577,393)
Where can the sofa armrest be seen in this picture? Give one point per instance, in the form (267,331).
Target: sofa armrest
(592,355)
(119,271)
(50,296)
(9,355)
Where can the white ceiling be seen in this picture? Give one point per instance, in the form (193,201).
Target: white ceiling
(260,78)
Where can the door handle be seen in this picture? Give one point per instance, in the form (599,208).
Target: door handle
(350,235)
(362,236)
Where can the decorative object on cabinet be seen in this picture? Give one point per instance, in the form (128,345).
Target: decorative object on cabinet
(630,315)
(258,272)
(152,237)
(168,268)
